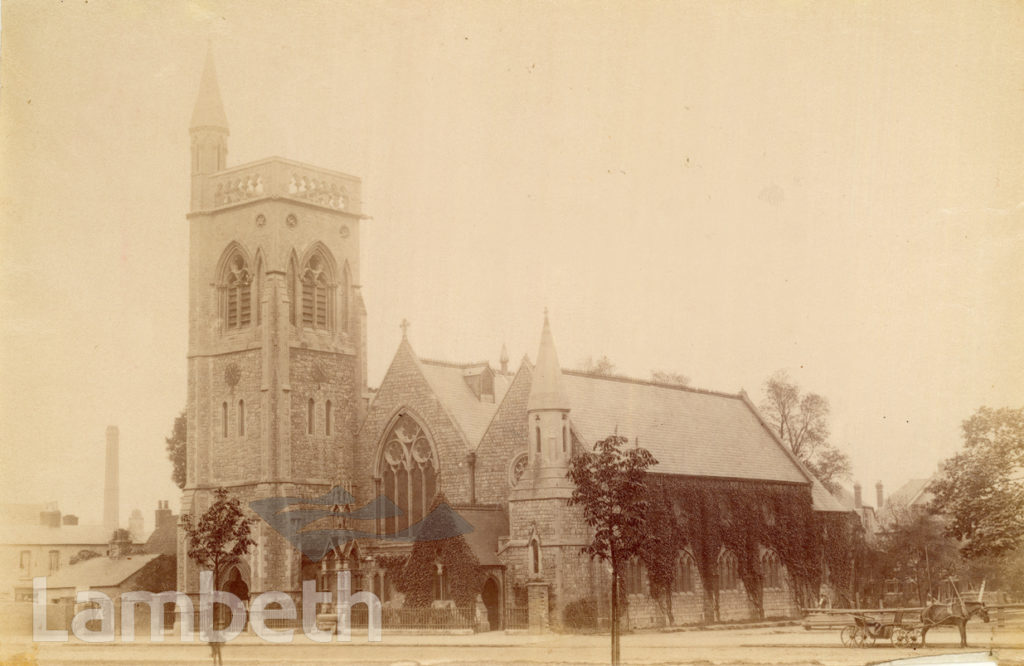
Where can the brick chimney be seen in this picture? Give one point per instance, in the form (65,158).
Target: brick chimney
(879,496)
(163,514)
(856,496)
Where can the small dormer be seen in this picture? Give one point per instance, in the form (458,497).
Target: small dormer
(480,379)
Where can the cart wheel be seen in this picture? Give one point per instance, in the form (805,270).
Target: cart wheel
(847,635)
(861,637)
(913,637)
(900,637)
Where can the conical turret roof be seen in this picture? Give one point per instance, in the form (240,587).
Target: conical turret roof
(548,389)
(209,110)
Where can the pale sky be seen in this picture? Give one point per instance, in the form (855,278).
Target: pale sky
(721,189)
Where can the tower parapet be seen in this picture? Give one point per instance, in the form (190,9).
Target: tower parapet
(278,178)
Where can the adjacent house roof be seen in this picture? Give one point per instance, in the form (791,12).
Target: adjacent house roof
(692,432)
(470,413)
(912,493)
(99,571)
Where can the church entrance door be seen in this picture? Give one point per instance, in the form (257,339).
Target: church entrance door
(491,596)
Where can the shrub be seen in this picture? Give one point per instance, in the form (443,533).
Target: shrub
(580,614)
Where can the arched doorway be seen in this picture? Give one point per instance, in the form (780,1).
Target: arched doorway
(236,585)
(491,596)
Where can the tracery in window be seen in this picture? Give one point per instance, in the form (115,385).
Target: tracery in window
(236,292)
(409,471)
(771,567)
(685,579)
(316,290)
(728,571)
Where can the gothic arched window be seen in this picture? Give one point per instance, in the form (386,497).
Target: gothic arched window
(311,417)
(728,571)
(771,567)
(685,579)
(236,292)
(408,467)
(328,419)
(316,293)
(241,418)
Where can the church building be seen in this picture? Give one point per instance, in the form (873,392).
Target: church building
(278,406)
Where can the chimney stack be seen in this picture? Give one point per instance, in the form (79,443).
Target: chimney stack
(856,496)
(163,514)
(878,494)
(111,499)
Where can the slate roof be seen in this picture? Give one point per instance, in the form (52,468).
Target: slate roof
(912,493)
(692,432)
(470,413)
(99,572)
(823,500)
(489,523)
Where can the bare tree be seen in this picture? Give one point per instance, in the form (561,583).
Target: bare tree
(600,366)
(669,377)
(801,421)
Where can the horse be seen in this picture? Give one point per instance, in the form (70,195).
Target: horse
(956,613)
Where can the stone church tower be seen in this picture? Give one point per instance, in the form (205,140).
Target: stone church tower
(277,350)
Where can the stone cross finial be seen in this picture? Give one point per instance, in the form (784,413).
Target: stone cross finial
(405,327)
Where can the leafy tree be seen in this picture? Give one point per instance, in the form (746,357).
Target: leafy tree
(120,543)
(915,547)
(177,450)
(669,377)
(611,488)
(982,488)
(601,366)
(801,421)
(220,537)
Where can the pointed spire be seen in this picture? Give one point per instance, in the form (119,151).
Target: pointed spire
(548,390)
(209,110)
(504,358)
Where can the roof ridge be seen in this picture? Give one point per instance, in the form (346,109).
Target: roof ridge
(453,364)
(648,382)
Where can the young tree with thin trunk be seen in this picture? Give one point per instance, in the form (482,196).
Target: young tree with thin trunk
(220,537)
(611,488)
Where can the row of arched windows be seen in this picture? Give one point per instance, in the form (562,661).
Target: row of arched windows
(225,419)
(319,292)
(687,577)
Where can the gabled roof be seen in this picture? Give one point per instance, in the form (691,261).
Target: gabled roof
(912,493)
(689,431)
(99,571)
(471,414)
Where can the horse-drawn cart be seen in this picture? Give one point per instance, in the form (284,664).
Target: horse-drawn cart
(868,627)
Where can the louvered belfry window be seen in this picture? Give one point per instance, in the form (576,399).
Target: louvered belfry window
(315,295)
(237,293)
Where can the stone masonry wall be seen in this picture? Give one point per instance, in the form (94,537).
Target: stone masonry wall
(504,440)
(404,387)
(322,377)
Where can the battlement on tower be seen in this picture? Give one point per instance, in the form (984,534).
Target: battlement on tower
(278,178)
